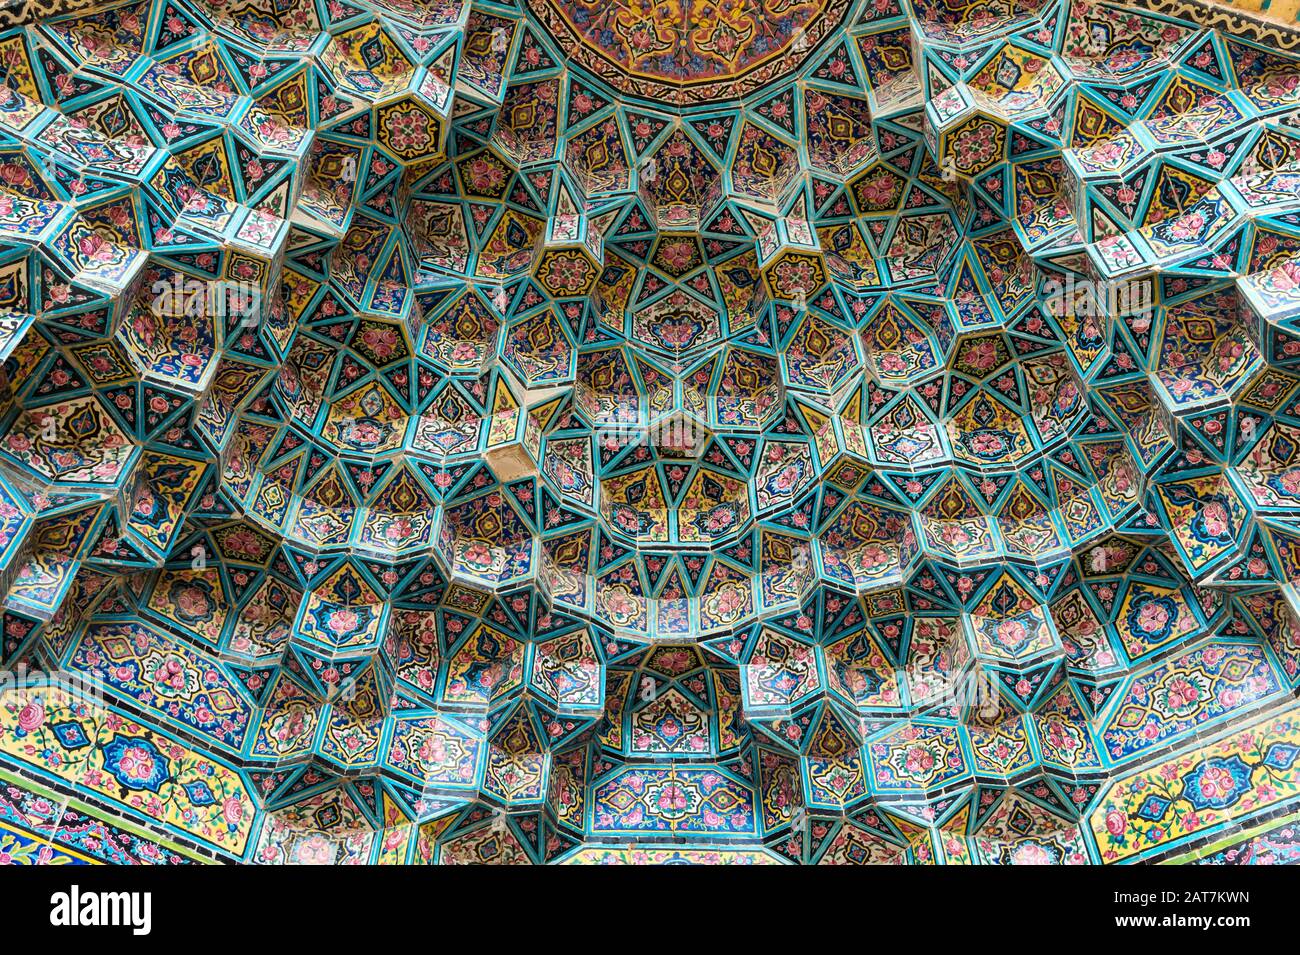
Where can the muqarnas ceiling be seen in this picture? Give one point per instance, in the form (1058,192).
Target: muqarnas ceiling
(573,431)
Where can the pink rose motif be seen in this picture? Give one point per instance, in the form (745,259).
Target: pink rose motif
(343,621)
(232,810)
(32,716)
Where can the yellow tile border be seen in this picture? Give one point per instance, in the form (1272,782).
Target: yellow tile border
(1242,22)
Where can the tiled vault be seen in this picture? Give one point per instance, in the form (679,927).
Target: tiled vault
(603,430)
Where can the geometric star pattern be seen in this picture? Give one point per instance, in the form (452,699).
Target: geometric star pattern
(838,431)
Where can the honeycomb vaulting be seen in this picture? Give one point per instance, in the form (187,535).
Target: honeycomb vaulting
(605,430)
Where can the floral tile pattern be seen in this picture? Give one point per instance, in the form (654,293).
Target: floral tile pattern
(548,431)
